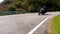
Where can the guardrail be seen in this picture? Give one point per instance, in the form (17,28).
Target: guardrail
(11,12)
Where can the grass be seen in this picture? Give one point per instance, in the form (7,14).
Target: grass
(55,25)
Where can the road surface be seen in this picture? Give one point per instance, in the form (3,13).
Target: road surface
(23,23)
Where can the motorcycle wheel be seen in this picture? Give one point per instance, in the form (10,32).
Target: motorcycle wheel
(39,13)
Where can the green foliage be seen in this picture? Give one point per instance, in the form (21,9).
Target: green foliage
(11,8)
(33,5)
(30,8)
(21,10)
(18,4)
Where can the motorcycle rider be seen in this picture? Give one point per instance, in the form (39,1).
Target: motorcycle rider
(42,11)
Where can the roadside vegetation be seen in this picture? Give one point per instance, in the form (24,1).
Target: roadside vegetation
(29,6)
(55,26)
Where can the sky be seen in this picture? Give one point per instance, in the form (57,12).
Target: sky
(1,1)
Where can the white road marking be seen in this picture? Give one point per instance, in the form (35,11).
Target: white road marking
(34,29)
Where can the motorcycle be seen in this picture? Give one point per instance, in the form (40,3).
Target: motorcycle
(42,12)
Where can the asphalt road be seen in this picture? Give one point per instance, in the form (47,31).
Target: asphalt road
(22,23)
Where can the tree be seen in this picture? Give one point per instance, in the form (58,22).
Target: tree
(11,8)
(18,4)
(34,5)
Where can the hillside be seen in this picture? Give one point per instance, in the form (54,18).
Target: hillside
(4,5)
(29,5)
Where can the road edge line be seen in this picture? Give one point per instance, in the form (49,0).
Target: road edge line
(35,28)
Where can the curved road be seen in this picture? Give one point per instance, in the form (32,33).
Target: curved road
(23,23)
